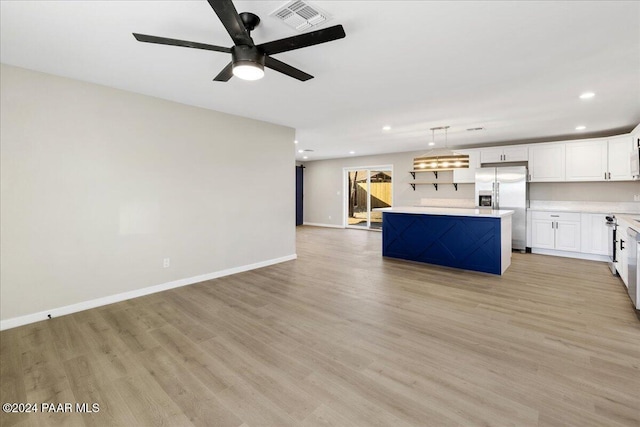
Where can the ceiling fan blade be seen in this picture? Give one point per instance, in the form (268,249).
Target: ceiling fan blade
(228,14)
(303,40)
(225,74)
(174,42)
(290,71)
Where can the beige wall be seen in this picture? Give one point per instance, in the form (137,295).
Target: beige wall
(100,185)
(323,187)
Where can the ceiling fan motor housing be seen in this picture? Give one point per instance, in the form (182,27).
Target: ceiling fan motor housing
(247,55)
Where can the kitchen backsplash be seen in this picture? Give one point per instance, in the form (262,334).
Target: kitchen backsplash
(585,191)
(594,207)
(552,205)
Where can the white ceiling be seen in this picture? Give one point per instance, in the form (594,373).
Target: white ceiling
(515,68)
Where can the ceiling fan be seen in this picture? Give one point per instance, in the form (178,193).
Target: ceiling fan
(248,59)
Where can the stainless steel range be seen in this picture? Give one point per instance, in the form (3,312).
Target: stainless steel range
(612,224)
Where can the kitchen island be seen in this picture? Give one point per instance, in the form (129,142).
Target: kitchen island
(470,239)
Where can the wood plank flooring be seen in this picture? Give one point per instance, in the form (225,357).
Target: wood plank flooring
(343,337)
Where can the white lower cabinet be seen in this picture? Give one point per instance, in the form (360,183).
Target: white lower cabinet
(555,230)
(594,234)
(543,233)
(622,249)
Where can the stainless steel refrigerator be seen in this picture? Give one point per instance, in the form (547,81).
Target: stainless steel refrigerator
(506,188)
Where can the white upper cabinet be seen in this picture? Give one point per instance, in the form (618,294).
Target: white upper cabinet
(516,153)
(547,162)
(620,148)
(468,176)
(491,155)
(600,160)
(586,160)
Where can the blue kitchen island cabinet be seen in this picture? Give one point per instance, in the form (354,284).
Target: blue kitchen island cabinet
(470,239)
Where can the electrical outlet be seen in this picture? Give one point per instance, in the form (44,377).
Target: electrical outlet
(166,262)
(636,197)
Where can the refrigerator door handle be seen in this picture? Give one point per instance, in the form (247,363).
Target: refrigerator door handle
(496,193)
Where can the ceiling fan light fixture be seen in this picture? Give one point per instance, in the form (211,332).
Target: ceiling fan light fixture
(248,71)
(248,62)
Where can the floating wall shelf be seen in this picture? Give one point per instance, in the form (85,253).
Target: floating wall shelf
(435,184)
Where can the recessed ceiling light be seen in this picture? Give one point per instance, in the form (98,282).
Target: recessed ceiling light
(386,127)
(352,152)
(581,127)
(305,157)
(295,142)
(300,151)
(587,95)
(432,144)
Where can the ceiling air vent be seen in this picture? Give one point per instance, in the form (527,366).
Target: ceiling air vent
(299,15)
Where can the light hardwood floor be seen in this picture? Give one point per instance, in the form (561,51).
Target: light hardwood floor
(343,337)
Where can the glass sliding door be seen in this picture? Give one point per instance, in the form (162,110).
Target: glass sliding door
(367,189)
(357,199)
(379,195)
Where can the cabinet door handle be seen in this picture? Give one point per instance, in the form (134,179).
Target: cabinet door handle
(605,175)
(621,244)
(609,175)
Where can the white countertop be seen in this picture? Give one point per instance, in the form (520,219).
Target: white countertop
(420,210)
(628,221)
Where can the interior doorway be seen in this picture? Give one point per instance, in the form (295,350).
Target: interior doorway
(367,188)
(299,194)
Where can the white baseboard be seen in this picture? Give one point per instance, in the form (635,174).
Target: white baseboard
(317,224)
(577,255)
(85,305)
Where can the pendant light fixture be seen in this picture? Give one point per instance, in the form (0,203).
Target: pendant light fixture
(440,159)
